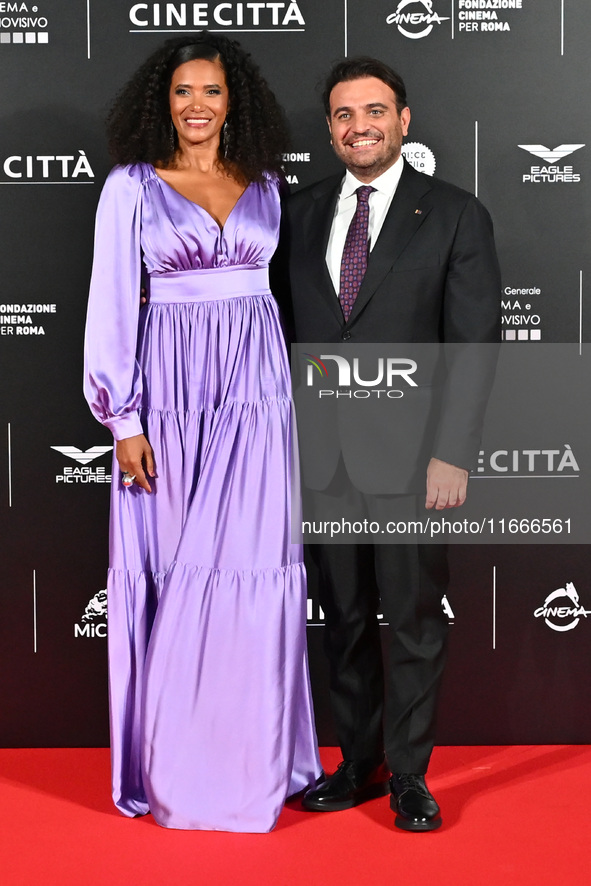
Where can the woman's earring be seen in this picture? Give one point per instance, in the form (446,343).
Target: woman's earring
(171,137)
(225,135)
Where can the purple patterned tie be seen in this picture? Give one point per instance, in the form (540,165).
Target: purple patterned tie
(354,260)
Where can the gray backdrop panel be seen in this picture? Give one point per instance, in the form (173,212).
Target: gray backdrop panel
(476,95)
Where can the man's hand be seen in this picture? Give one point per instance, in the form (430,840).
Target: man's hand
(446,485)
(136,458)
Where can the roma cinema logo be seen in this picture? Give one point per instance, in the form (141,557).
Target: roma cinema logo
(563,617)
(415,18)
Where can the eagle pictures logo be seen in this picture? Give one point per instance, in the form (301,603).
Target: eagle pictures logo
(552,173)
(84,474)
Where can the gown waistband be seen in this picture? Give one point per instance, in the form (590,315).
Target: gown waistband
(209,284)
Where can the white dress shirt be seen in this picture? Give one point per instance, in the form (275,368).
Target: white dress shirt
(379,203)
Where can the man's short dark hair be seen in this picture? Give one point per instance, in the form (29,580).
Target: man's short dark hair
(364,66)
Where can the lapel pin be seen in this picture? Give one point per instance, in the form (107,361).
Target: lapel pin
(418,211)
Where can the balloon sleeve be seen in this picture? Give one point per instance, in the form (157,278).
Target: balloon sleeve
(112,377)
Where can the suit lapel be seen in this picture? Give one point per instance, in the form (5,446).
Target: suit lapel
(318,231)
(400,225)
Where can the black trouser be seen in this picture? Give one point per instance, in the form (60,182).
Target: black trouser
(411,580)
(383,705)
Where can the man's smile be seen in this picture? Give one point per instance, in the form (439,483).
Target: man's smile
(363,143)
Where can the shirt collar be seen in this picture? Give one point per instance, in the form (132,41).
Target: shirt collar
(386,183)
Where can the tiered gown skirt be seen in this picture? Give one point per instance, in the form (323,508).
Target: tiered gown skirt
(211,716)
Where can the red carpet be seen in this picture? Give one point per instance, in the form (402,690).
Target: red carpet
(510,816)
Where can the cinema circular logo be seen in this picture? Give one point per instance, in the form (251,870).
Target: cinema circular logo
(415,18)
(562,610)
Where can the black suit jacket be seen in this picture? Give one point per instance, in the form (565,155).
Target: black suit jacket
(432,276)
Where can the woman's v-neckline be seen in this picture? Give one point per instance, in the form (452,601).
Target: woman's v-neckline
(202,208)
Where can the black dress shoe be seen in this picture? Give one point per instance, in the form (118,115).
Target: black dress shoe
(414,805)
(353,783)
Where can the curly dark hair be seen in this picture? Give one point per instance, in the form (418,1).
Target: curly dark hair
(139,123)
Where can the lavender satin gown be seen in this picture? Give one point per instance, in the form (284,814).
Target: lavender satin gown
(211,717)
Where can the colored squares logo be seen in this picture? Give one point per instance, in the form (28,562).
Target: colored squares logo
(24,37)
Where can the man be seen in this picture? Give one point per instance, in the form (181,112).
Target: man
(387,254)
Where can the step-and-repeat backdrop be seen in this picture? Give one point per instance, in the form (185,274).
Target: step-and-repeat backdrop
(497,90)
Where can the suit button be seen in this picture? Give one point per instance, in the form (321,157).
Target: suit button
(346,336)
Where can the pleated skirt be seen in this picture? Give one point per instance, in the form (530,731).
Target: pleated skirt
(211,717)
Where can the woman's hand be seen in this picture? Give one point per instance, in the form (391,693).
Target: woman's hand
(135,457)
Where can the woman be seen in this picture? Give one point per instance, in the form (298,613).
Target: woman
(211,719)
